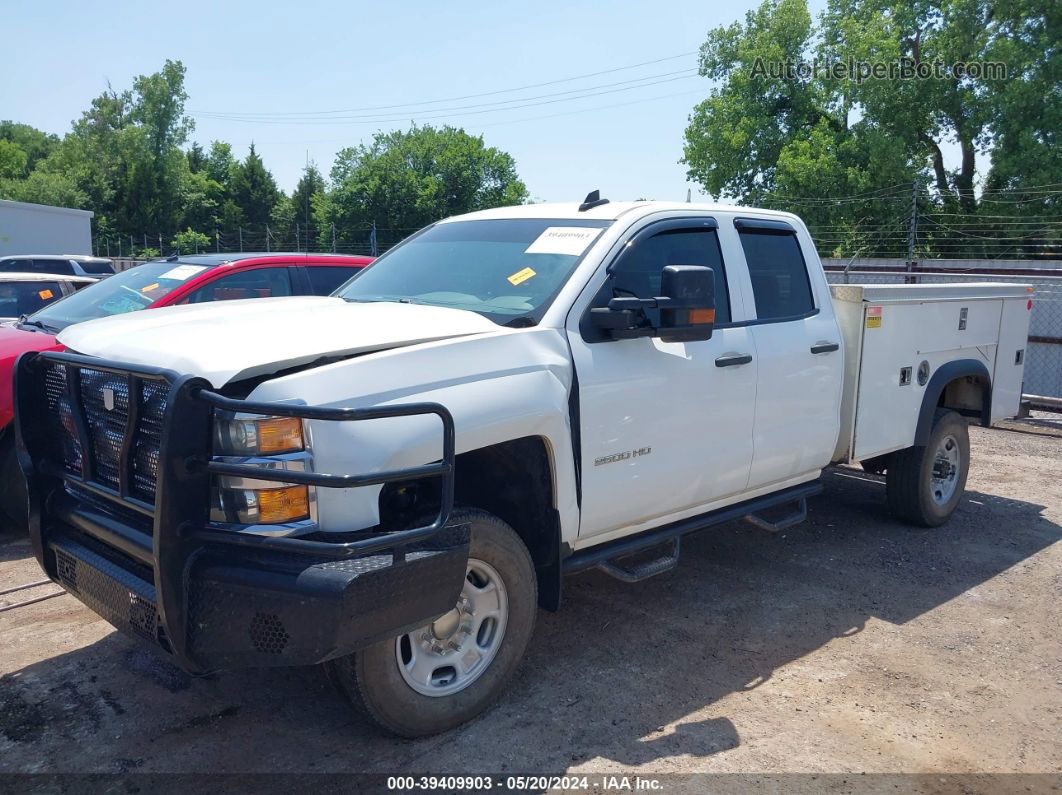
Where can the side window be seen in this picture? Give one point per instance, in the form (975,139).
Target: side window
(256,283)
(59,266)
(325,279)
(16,266)
(25,298)
(637,272)
(779,276)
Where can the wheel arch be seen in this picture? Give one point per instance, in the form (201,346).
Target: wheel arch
(963,385)
(514,480)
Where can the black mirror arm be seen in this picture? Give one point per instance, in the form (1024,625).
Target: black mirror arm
(660,302)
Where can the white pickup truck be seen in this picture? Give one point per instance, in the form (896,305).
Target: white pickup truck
(392,480)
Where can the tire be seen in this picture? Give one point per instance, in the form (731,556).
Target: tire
(14,500)
(381,686)
(914,493)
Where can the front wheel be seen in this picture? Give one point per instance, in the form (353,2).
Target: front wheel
(924,484)
(450,670)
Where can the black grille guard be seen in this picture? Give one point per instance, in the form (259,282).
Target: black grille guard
(180,515)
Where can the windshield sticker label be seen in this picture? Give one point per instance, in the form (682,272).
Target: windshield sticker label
(570,240)
(873,317)
(521,276)
(183,272)
(150,287)
(45,294)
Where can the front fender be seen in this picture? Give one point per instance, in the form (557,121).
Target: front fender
(498,387)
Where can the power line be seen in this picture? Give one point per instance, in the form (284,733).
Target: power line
(463,97)
(447,112)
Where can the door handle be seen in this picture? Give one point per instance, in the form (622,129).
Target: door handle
(733,359)
(825,347)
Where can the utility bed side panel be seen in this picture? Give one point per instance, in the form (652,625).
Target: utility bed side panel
(890,330)
(903,335)
(850,319)
(1009,371)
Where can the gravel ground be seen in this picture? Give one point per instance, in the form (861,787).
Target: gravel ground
(850,643)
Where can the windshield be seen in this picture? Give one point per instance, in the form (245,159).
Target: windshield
(506,269)
(127,291)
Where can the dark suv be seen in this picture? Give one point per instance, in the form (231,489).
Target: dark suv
(60,264)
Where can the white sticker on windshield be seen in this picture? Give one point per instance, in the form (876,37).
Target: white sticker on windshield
(183,272)
(571,240)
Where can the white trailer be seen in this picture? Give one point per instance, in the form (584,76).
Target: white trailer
(41,229)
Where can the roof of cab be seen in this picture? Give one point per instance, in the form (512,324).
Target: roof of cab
(211,260)
(604,212)
(47,277)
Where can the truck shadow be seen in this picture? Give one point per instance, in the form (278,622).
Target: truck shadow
(611,676)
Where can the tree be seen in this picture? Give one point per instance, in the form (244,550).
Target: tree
(12,160)
(404,180)
(44,187)
(36,144)
(191,242)
(763,137)
(303,207)
(254,190)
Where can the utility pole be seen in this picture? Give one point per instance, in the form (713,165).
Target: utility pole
(241,239)
(912,235)
(267,238)
(298,238)
(217,241)
(333,237)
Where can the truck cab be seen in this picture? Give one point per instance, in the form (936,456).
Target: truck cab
(391,480)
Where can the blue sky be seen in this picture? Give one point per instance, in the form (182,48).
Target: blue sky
(261,58)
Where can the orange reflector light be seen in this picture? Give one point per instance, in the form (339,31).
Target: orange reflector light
(702,316)
(287,504)
(279,435)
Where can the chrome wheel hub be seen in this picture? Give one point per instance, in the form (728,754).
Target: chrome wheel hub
(453,651)
(946,464)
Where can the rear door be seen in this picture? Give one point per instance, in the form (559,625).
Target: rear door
(664,427)
(798,350)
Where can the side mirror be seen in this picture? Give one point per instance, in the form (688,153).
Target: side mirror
(690,313)
(687,308)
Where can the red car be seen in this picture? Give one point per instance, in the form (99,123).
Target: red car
(177,280)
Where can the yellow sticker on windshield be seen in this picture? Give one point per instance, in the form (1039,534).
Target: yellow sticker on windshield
(45,294)
(521,276)
(150,287)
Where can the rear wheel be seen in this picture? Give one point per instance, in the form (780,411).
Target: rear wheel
(924,484)
(455,667)
(14,502)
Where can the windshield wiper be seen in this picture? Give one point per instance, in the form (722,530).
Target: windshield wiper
(24,321)
(524,321)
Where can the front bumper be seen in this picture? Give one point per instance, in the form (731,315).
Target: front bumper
(210,597)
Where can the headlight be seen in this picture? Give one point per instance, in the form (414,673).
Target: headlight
(261,506)
(260,436)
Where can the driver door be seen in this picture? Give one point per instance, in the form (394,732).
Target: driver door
(665,428)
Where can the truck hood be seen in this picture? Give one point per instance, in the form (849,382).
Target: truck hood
(233,340)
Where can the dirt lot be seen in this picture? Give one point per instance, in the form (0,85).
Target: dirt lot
(850,643)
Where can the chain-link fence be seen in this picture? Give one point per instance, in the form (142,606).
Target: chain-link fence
(364,240)
(1043,358)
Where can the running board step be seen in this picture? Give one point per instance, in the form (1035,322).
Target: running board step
(796,516)
(646,569)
